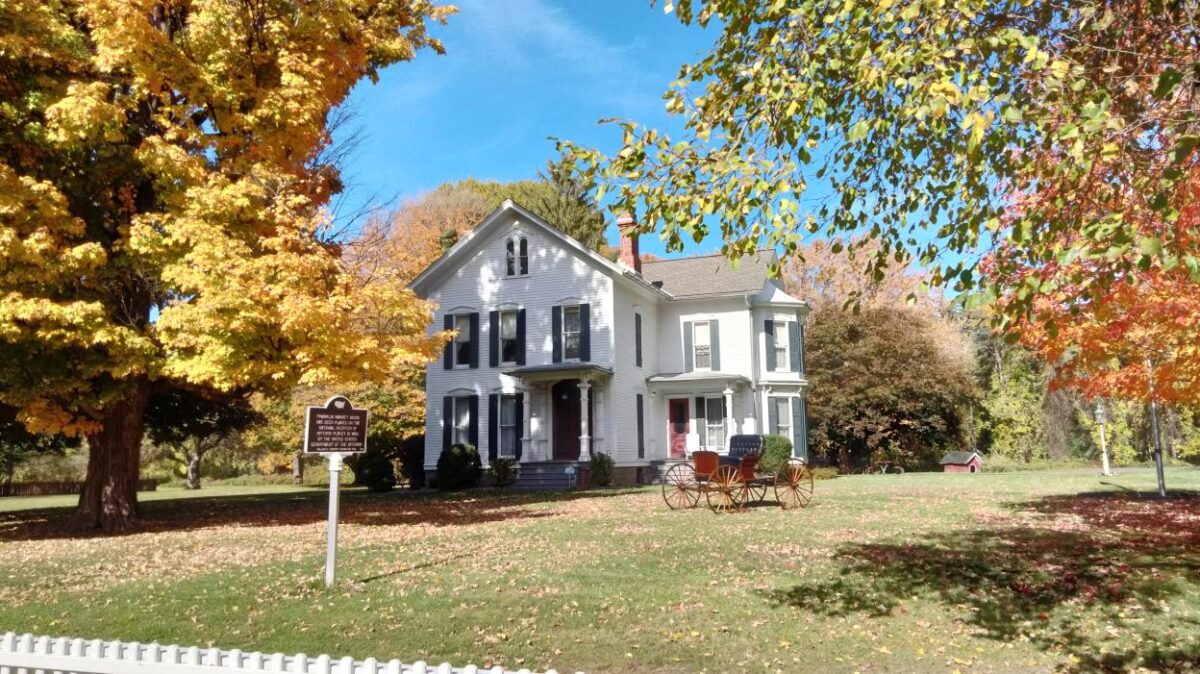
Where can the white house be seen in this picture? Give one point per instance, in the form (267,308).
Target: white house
(560,353)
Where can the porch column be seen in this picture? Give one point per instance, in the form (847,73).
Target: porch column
(730,423)
(527,426)
(585,440)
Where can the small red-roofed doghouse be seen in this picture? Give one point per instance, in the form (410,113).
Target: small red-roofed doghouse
(962,462)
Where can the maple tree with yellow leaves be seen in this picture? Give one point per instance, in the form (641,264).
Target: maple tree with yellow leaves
(161,212)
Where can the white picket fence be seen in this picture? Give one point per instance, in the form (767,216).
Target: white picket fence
(29,654)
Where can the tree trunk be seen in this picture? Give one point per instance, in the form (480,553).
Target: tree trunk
(843,457)
(192,481)
(108,501)
(298,469)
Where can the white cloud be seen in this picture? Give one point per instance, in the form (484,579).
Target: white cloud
(537,38)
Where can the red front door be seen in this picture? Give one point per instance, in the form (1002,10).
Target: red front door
(678,426)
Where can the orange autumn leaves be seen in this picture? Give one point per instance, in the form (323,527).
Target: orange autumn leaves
(1147,316)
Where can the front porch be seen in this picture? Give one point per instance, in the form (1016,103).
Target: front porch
(563,403)
(703,409)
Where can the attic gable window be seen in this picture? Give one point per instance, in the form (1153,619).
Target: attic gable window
(516,256)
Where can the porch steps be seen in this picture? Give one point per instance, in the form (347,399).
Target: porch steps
(548,476)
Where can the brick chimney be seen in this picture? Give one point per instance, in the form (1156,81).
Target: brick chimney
(630,257)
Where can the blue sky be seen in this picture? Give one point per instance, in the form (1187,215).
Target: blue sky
(515,74)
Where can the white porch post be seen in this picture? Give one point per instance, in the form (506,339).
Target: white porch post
(585,440)
(730,423)
(527,426)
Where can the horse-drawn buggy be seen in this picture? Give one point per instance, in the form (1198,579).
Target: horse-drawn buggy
(731,481)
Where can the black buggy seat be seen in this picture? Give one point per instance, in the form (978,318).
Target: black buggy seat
(741,446)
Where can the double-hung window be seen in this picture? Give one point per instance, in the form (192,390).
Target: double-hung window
(571,331)
(711,425)
(462,341)
(461,434)
(782,361)
(509,426)
(508,337)
(714,421)
(702,345)
(783,413)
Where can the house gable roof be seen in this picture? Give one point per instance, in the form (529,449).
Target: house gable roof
(470,240)
(709,275)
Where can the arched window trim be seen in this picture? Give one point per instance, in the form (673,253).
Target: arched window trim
(516,256)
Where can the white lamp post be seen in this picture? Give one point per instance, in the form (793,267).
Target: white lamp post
(1101,418)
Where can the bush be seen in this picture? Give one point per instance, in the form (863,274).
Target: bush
(600,469)
(824,472)
(776,454)
(459,467)
(503,472)
(412,461)
(376,472)
(373,468)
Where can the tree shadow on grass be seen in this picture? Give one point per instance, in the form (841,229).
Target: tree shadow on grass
(307,507)
(1057,571)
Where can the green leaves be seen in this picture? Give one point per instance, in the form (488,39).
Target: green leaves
(922,123)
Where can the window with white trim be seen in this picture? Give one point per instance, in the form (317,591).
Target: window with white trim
(783,361)
(461,432)
(783,417)
(508,337)
(571,331)
(714,422)
(516,256)
(509,426)
(462,340)
(701,346)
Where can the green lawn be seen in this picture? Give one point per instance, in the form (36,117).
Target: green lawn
(1016,572)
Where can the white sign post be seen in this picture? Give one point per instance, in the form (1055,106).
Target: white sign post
(335,430)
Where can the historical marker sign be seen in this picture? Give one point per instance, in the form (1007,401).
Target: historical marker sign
(335,428)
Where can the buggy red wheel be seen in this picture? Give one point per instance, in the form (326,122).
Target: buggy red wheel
(726,490)
(794,486)
(679,487)
(756,491)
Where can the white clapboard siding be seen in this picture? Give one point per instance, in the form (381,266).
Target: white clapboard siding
(26,653)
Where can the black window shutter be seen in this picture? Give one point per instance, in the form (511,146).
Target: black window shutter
(556,327)
(447,422)
(688,356)
(701,415)
(641,438)
(585,332)
(475,339)
(494,339)
(473,429)
(799,429)
(520,337)
(448,350)
(773,415)
(794,345)
(769,331)
(637,341)
(493,427)
(520,420)
(802,365)
(714,339)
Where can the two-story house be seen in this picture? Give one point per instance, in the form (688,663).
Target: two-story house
(560,352)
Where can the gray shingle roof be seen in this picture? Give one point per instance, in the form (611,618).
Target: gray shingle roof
(959,458)
(709,275)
